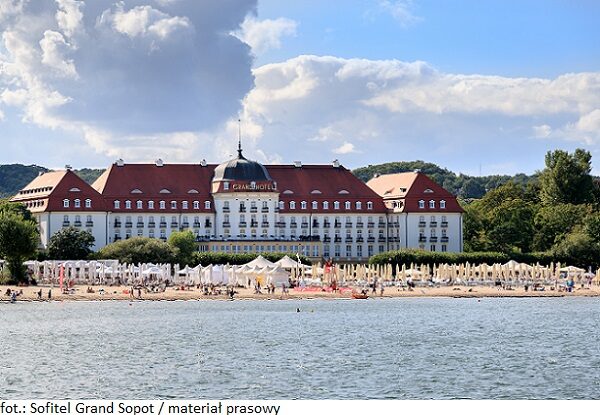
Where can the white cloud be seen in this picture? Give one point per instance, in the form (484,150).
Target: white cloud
(53,46)
(69,16)
(542,131)
(345,148)
(400,10)
(262,35)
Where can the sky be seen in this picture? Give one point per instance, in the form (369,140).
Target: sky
(479,87)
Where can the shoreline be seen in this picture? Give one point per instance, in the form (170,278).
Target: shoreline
(172,294)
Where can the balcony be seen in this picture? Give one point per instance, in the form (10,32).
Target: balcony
(163,224)
(225,210)
(337,225)
(226,224)
(433,224)
(326,224)
(89,223)
(253,209)
(254,224)
(337,239)
(242,210)
(422,238)
(129,224)
(444,239)
(348,225)
(304,225)
(117,238)
(264,210)
(381,239)
(185,225)
(174,224)
(208,224)
(326,239)
(371,239)
(433,239)
(348,239)
(370,225)
(315,224)
(140,224)
(77,223)
(243,224)
(265,224)
(359,225)
(151,225)
(280,224)
(117,224)
(422,224)
(359,239)
(163,238)
(293,225)
(381,225)
(444,224)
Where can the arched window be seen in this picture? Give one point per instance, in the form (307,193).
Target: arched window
(421,204)
(442,204)
(77,203)
(88,203)
(173,204)
(336,205)
(196,204)
(184,204)
(281,205)
(162,204)
(66,203)
(325,205)
(292,205)
(207,204)
(347,205)
(151,204)
(369,205)
(139,204)
(303,205)
(128,204)
(358,205)
(432,204)
(117,204)
(315,204)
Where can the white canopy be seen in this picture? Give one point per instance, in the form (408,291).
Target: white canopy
(287,262)
(260,262)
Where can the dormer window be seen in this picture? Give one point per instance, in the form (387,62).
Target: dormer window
(66,203)
(192,191)
(77,203)
(151,204)
(173,204)
(428,191)
(343,192)
(303,205)
(136,191)
(184,204)
(139,204)
(292,205)
(325,205)
(281,205)
(358,205)
(347,205)
(88,203)
(432,204)
(117,204)
(74,189)
(336,205)
(315,192)
(288,192)
(421,204)
(369,205)
(165,191)
(162,204)
(225,185)
(442,204)
(196,204)
(128,204)
(207,204)
(315,204)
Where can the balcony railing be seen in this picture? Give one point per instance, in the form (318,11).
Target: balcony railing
(225,210)
(243,224)
(381,239)
(371,239)
(163,224)
(226,224)
(422,224)
(370,225)
(293,225)
(327,239)
(359,239)
(174,224)
(254,224)
(444,239)
(444,224)
(89,223)
(140,224)
(433,239)
(265,224)
(304,225)
(337,225)
(337,239)
(280,224)
(422,239)
(349,239)
(326,224)
(348,225)
(117,238)
(264,210)
(128,224)
(185,225)
(359,225)
(315,224)
(433,224)
(253,210)
(77,223)
(117,224)
(381,225)
(151,224)
(208,224)
(242,209)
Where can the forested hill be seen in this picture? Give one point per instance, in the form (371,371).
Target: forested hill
(13,177)
(468,187)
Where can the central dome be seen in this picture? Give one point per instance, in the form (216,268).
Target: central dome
(241,169)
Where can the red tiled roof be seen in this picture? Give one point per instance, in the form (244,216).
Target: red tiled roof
(411,188)
(304,183)
(53,187)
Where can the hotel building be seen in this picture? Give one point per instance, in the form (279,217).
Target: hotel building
(241,206)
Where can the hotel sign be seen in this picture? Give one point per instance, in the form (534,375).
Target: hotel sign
(252,186)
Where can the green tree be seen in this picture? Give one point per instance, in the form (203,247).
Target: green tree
(70,243)
(554,222)
(184,245)
(579,249)
(566,178)
(18,209)
(474,237)
(138,250)
(510,226)
(19,240)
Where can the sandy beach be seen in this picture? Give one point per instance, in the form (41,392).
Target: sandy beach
(104,293)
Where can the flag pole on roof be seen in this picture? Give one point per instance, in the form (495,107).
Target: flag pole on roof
(239,137)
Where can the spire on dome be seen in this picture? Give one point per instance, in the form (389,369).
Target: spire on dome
(240,139)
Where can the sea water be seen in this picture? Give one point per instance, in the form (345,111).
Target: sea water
(404,348)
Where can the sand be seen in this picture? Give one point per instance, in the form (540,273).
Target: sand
(103,293)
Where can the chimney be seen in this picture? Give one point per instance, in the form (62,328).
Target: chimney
(335,163)
(68,167)
(417,171)
(203,163)
(297,164)
(120,163)
(376,175)
(159,163)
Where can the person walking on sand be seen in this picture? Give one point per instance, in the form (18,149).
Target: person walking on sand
(39,293)
(50,294)
(381,289)
(139,296)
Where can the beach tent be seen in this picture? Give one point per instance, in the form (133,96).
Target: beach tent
(260,262)
(288,263)
(278,277)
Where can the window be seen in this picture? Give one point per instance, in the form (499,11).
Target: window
(359,252)
(432,218)
(314,204)
(225,185)
(336,205)
(151,204)
(442,204)
(348,250)
(325,205)
(292,205)
(281,205)
(303,205)
(162,204)
(173,204)
(358,207)
(88,218)
(139,204)
(337,250)
(432,204)
(432,248)
(207,204)
(77,203)
(265,205)
(369,205)
(421,204)
(196,204)
(117,204)
(184,204)
(128,204)
(65,218)
(444,248)
(347,205)
(66,203)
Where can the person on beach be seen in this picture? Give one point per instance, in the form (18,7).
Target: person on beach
(381,288)
(39,294)
(49,294)
(139,296)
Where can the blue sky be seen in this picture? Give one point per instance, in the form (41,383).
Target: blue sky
(475,86)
